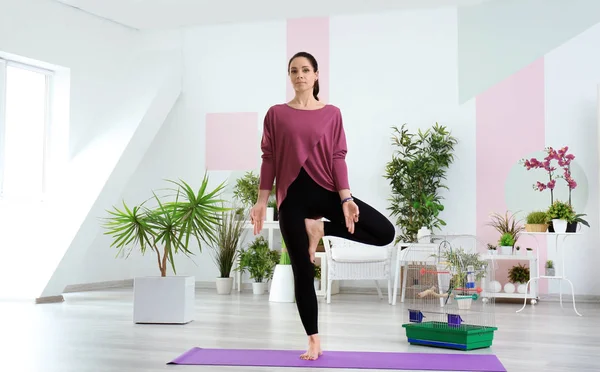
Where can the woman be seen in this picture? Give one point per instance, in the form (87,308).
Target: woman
(304,148)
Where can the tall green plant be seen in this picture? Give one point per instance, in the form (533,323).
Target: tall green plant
(229,232)
(416,173)
(167,228)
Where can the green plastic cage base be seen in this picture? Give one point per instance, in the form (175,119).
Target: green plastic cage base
(440,334)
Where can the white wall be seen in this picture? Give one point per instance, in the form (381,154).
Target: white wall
(114,73)
(572,77)
(243,69)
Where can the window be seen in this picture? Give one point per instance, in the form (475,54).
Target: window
(24,123)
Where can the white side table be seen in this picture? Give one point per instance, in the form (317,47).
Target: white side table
(562,277)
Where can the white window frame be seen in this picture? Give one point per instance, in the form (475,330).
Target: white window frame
(4,63)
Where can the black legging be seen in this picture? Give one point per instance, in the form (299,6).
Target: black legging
(306,199)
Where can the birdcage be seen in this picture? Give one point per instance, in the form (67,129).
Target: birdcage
(445,302)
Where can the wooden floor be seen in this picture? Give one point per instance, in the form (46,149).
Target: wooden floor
(93,331)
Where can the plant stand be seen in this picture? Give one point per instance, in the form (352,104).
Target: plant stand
(282,285)
(164,300)
(534,279)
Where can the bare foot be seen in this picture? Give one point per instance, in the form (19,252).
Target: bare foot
(314,348)
(315,231)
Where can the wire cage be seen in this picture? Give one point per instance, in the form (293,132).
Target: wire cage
(446,304)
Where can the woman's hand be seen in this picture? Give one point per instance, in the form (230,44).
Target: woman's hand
(257,216)
(351,213)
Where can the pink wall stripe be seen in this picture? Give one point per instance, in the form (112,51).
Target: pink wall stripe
(310,35)
(510,123)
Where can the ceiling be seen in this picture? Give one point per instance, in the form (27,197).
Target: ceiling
(168,14)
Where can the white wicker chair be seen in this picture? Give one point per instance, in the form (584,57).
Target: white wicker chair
(349,260)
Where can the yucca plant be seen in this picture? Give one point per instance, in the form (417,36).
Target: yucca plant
(167,228)
(229,232)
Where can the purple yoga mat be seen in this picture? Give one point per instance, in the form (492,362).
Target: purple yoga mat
(342,359)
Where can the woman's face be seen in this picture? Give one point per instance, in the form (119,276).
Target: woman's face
(302,74)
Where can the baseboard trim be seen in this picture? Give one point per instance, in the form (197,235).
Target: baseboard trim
(99,286)
(128,283)
(49,299)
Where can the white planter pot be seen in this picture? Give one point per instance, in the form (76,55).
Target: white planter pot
(529,253)
(423,235)
(270,214)
(550,272)
(164,300)
(560,226)
(224,286)
(505,250)
(317,284)
(282,284)
(259,288)
(522,288)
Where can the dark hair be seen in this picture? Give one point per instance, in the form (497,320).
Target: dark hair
(315,66)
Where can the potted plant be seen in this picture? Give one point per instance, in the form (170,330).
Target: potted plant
(519,275)
(529,252)
(416,174)
(229,233)
(537,221)
(550,268)
(282,285)
(506,243)
(246,192)
(272,204)
(560,213)
(574,221)
(507,224)
(166,229)
(491,249)
(260,262)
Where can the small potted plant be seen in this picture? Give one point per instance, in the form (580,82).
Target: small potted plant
(272,204)
(228,235)
(491,249)
(560,213)
(518,249)
(519,275)
(550,268)
(260,262)
(529,252)
(507,224)
(246,192)
(506,243)
(537,221)
(574,221)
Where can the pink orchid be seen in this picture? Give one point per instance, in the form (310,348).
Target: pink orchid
(564,161)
